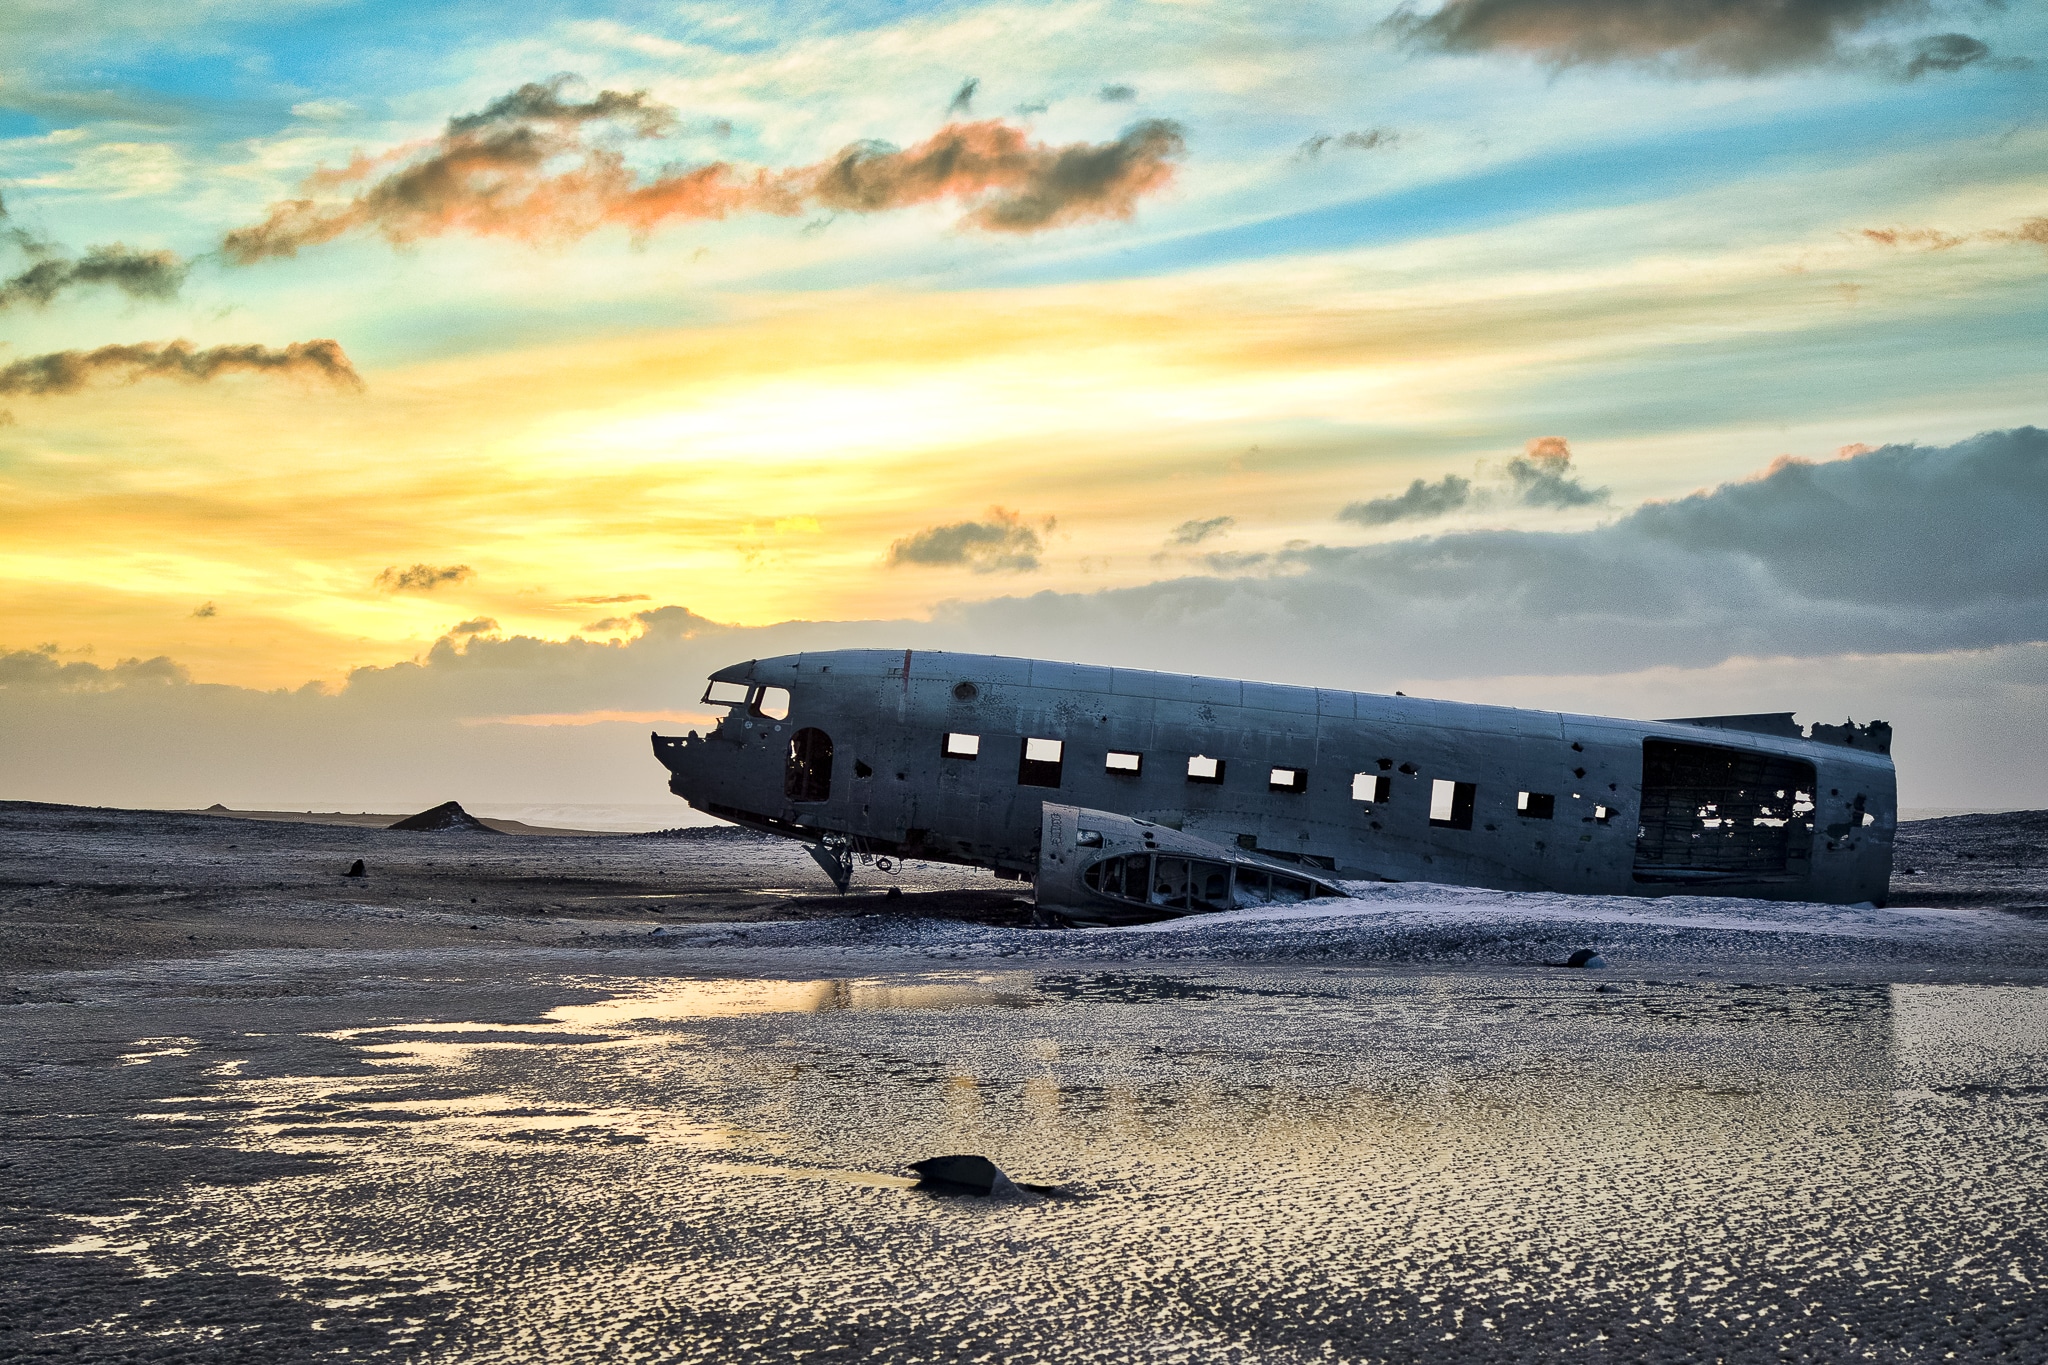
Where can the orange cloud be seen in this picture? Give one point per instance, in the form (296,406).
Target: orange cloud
(500,173)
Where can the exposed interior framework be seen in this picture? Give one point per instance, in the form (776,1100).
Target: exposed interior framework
(1721,814)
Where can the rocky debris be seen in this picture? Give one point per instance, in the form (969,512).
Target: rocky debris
(356,869)
(449,815)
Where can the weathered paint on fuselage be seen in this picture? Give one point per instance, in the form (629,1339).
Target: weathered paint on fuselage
(891,790)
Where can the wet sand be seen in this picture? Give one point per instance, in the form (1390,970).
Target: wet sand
(658,1105)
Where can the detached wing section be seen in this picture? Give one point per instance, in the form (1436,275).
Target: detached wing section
(1099,868)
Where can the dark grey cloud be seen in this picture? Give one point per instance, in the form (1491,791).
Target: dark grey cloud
(608,601)
(1945,52)
(1004,543)
(1542,476)
(963,98)
(542,102)
(36,670)
(1422,500)
(139,274)
(63,372)
(1117,94)
(205,610)
(1904,549)
(611,623)
(1741,37)
(1195,532)
(475,625)
(422,577)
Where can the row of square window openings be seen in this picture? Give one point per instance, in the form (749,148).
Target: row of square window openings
(1450,803)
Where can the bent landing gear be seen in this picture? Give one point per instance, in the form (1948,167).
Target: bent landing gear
(837,854)
(837,860)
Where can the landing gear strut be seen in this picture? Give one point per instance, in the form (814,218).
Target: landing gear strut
(837,859)
(837,854)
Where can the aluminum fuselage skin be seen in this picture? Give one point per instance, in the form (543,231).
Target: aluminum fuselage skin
(892,790)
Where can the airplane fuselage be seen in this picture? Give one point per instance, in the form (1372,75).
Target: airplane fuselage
(953,757)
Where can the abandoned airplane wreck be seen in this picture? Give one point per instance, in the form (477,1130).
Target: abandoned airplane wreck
(1125,795)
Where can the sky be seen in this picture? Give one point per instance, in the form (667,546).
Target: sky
(414,402)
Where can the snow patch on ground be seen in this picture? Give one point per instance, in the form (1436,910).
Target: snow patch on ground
(1421,904)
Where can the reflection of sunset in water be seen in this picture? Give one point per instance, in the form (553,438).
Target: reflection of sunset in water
(1250,1163)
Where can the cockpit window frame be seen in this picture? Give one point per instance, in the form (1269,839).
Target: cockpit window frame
(711,685)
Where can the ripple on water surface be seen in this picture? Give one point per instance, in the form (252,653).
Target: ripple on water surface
(1258,1167)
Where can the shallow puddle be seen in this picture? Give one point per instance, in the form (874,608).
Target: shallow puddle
(1271,1166)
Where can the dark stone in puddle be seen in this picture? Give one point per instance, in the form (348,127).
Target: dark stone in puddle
(967,1173)
(1583,957)
(355,869)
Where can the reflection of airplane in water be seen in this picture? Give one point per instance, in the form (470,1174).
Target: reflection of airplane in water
(1127,795)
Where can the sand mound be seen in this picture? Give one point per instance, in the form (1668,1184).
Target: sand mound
(449,815)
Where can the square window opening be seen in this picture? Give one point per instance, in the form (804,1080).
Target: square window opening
(1287,780)
(772,702)
(1041,762)
(1370,787)
(1536,805)
(1202,768)
(1117,761)
(963,746)
(1450,803)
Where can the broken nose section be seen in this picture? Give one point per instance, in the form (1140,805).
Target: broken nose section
(1097,868)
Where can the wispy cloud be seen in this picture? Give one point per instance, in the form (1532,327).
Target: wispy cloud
(2033,231)
(1195,532)
(963,98)
(495,173)
(62,372)
(1364,140)
(139,274)
(1003,543)
(423,577)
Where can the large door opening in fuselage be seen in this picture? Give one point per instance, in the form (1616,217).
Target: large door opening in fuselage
(808,774)
(1715,814)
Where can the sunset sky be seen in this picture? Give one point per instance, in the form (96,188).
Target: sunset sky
(408,401)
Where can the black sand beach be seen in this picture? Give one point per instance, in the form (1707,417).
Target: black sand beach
(654,1098)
